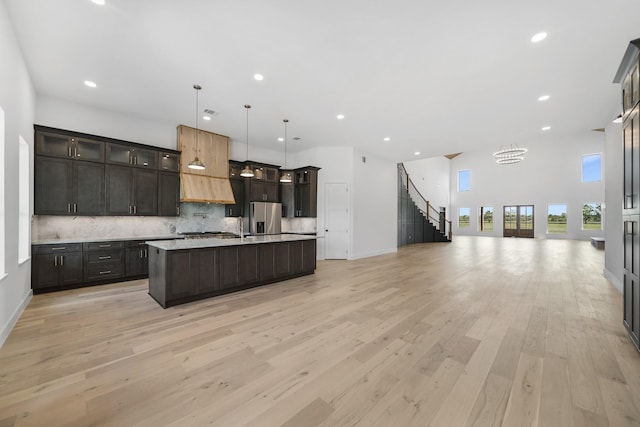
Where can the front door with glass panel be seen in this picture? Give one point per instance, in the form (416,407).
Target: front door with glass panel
(518,221)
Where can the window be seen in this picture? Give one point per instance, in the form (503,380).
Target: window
(486,218)
(24,238)
(464,180)
(557,219)
(591,168)
(2,248)
(592,216)
(463,217)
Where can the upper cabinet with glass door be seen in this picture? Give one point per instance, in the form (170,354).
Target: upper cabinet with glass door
(131,155)
(70,147)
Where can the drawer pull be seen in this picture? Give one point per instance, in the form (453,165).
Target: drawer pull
(104,246)
(59,249)
(105,272)
(105,257)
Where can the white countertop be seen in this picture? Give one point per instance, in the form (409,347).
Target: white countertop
(173,245)
(105,239)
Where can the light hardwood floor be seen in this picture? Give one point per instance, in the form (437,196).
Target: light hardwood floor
(479,332)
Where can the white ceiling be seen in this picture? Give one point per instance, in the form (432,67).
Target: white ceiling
(435,77)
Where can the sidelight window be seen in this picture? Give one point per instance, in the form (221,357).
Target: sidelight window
(2,195)
(592,216)
(463,217)
(557,219)
(24,172)
(486,218)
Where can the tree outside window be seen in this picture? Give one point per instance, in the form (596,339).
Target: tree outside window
(592,216)
(486,218)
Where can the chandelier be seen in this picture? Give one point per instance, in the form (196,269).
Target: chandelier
(509,155)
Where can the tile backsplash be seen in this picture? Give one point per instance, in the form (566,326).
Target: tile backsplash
(193,217)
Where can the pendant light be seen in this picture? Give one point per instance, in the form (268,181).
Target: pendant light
(196,163)
(286,175)
(247,172)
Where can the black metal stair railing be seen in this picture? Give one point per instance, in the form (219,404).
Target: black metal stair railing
(440,222)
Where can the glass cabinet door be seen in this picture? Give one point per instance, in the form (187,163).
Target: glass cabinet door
(49,144)
(145,158)
(86,149)
(120,154)
(170,162)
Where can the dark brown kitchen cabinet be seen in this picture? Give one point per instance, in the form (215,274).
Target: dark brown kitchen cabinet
(238,266)
(306,191)
(56,266)
(263,187)
(168,194)
(180,276)
(287,198)
(69,147)
(71,177)
(131,191)
(136,259)
(68,187)
(629,77)
(128,154)
(261,191)
(103,261)
(238,188)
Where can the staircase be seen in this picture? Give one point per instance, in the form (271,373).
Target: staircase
(418,221)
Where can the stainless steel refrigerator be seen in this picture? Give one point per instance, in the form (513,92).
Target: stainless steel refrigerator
(265,217)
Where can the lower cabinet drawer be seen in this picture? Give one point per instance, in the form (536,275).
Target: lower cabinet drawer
(103,271)
(104,257)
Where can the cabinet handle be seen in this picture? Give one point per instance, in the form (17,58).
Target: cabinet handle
(75,152)
(105,272)
(104,246)
(69,151)
(75,208)
(135,210)
(69,207)
(105,257)
(59,249)
(61,260)
(130,210)
(140,253)
(55,261)
(146,253)
(178,210)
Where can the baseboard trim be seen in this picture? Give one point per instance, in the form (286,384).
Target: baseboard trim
(613,279)
(6,330)
(374,253)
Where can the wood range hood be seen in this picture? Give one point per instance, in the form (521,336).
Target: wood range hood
(210,185)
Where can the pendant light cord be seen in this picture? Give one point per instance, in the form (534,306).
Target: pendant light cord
(285,142)
(197,88)
(247,106)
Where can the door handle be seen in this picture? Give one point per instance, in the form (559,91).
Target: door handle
(55,261)
(105,257)
(61,260)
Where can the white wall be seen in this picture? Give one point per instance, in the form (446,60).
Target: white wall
(17,99)
(550,174)
(375,206)
(613,252)
(431,178)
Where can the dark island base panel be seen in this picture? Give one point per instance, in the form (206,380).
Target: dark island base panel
(186,275)
(199,297)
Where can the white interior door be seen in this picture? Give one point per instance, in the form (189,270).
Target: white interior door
(336,232)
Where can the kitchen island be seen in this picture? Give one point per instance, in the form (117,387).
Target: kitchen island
(186,270)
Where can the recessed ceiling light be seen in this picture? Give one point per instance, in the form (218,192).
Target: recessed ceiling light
(546,128)
(538,37)
(258,77)
(280,139)
(206,117)
(340,116)
(99,2)
(417,153)
(387,139)
(543,97)
(89,83)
